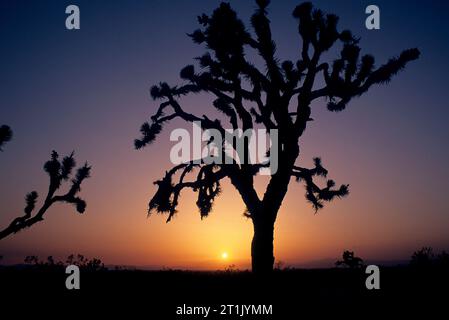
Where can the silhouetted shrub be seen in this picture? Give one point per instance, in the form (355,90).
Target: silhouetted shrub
(423,257)
(426,258)
(350,261)
(79,260)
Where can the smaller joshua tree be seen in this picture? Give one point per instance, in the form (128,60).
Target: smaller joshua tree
(350,260)
(59,172)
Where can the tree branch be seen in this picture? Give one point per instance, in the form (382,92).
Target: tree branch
(58,172)
(314,193)
(206,183)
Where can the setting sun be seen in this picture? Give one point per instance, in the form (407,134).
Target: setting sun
(224,255)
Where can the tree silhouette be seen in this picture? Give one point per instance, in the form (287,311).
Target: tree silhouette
(423,257)
(276,96)
(349,260)
(58,171)
(5,135)
(79,260)
(426,258)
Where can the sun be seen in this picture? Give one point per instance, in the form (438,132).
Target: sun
(224,255)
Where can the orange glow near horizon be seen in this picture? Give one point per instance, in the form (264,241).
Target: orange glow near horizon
(124,236)
(115,227)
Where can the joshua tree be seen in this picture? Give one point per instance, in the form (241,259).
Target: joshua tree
(58,171)
(5,135)
(278,95)
(349,260)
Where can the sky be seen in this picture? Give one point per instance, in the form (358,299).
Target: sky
(88,90)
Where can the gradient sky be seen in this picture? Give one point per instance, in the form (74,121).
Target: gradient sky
(88,91)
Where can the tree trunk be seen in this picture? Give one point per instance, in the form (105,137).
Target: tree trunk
(262,246)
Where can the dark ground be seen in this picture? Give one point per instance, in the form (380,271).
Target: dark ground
(293,294)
